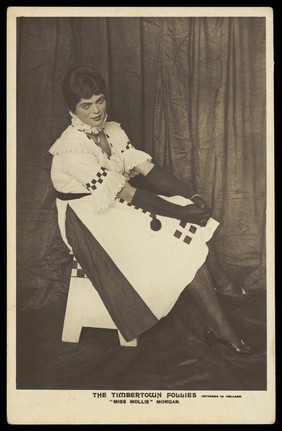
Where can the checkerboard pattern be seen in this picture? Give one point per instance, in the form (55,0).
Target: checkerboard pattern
(128,145)
(122,201)
(180,234)
(98,180)
(77,271)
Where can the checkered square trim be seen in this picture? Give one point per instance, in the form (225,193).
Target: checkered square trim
(187,239)
(128,145)
(77,271)
(177,234)
(192,229)
(98,180)
(108,138)
(122,201)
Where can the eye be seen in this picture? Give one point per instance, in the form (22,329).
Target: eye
(101,100)
(86,106)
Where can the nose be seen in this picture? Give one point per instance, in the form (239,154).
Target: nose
(95,109)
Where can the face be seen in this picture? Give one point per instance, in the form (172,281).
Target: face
(92,111)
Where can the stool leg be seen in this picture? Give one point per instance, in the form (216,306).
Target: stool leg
(123,342)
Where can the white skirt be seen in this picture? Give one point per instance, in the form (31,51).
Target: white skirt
(157,264)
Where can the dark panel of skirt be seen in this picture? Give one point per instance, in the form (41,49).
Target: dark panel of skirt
(127,309)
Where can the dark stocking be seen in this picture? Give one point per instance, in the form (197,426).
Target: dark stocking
(202,290)
(221,280)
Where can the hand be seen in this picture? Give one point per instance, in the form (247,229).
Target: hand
(200,202)
(193,214)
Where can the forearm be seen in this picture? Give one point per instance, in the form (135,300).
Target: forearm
(165,182)
(156,205)
(149,202)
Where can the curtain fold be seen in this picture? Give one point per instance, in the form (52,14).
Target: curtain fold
(190,91)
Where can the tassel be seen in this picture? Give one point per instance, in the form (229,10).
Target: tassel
(155,223)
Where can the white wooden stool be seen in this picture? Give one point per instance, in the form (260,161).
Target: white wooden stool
(86,309)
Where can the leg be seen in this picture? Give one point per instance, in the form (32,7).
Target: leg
(223,284)
(202,290)
(221,280)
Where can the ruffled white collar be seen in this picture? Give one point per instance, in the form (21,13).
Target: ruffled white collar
(82,127)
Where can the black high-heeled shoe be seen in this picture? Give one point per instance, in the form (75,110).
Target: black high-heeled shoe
(240,348)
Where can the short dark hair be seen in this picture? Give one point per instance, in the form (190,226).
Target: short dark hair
(82,82)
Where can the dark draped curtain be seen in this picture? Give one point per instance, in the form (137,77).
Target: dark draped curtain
(190,91)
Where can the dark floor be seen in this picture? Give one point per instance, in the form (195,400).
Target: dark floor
(172,355)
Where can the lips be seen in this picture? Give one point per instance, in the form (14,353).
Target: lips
(96,118)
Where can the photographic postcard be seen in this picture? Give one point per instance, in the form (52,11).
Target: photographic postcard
(193,87)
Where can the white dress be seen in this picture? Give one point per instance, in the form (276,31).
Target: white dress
(157,265)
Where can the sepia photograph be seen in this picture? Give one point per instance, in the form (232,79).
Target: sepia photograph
(140,194)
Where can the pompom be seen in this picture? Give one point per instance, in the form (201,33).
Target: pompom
(155,224)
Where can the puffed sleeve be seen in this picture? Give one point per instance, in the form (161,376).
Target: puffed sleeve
(131,156)
(103,184)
